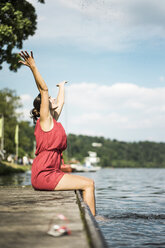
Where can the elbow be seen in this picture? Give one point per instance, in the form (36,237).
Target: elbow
(43,89)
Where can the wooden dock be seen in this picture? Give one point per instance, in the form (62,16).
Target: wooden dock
(27,216)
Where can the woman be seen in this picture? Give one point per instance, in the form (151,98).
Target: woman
(51,141)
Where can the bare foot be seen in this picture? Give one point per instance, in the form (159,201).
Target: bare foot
(101,218)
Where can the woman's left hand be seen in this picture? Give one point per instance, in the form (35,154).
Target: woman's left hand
(28,59)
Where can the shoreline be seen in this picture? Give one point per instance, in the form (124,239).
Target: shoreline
(7,168)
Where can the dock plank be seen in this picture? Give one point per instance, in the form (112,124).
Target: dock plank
(26,215)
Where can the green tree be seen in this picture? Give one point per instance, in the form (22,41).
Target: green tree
(17,23)
(115,153)
(9,103)
(26,138)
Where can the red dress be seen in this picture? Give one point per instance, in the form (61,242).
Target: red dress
(46,172)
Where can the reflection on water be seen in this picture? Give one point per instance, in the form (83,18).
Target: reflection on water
(16,179)
(132,202)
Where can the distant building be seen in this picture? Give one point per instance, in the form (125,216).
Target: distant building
(95,144)
(92,159)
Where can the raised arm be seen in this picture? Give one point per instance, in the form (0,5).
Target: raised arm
(58,103)
(45,116)
(29,61)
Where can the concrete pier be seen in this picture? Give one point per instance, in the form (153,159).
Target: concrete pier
(27,215)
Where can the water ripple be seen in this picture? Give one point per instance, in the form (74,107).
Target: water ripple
(132,202)
(138,216)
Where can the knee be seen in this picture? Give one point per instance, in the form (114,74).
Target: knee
(91,184)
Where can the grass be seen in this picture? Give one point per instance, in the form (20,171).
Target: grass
(8,168)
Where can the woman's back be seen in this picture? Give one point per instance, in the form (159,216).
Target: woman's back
(46,171)
(50,140)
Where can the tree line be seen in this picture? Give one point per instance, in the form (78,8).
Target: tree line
(9,104)
(112,153)
(115,153)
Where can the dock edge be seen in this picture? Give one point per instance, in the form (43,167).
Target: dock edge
(94,234)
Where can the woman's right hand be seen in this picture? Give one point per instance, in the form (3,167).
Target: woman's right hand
(28,59)
(62,83)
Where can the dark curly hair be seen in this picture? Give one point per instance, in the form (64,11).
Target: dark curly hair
(35,112)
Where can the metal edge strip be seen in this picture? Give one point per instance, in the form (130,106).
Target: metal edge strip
(94,234)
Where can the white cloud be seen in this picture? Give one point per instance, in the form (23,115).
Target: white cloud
(26,98)
(116,96)
(123,110)
(108,24)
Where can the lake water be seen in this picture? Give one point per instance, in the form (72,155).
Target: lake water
(132,202)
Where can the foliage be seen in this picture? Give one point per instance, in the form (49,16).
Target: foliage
(115,153)
(17,23)
(8,168)
(9,103)
(26,139)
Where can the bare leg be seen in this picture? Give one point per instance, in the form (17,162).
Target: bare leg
(73,182)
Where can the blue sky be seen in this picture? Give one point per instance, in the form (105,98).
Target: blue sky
(112,52)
